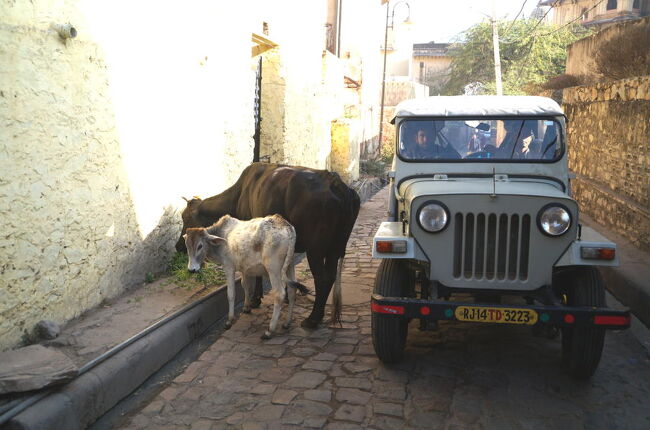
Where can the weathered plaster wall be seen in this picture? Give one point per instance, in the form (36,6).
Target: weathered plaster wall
(99,139)
(609,143)
(272,112)
(362,33)
(300,85)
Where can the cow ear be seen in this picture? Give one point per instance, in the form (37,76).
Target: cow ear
(216,240)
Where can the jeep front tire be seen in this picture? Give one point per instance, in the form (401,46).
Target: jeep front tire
(582,347)
(388,331)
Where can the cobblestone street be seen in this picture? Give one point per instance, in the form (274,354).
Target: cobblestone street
(460,376)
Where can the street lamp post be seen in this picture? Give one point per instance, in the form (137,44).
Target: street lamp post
(383,78)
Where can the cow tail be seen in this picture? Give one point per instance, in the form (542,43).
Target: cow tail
(337,299)
(353,204)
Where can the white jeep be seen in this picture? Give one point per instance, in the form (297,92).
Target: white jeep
(480,206)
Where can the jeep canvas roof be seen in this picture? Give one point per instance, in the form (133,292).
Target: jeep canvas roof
(472,106)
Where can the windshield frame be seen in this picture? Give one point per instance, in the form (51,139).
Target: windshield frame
(554,118)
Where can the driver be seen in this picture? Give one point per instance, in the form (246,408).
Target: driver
(426,145)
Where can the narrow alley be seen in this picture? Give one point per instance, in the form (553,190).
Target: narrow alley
(460,376)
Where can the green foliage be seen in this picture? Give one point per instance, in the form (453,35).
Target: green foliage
(373,167)
(210,275)
(531,53)
(387,150)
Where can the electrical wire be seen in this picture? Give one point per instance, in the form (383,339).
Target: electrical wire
(571,22)
(532,32)
(516,16)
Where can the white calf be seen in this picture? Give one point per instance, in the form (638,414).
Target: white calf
(259,247)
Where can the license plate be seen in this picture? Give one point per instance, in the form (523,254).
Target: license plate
(496,315)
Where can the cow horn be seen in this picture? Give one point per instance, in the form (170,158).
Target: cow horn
(185,198)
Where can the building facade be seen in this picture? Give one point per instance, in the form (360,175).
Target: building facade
(595,12)
(104,133)
(431,63)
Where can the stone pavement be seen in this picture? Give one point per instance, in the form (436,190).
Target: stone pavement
(461,376)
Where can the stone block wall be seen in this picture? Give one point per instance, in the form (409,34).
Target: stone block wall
(609,147)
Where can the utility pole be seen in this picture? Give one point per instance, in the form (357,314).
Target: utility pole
(497,56)
(383,78)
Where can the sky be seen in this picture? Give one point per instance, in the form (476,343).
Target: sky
(442,20)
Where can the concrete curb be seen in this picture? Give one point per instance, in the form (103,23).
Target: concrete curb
(628,292)
(82,401)
(630,281)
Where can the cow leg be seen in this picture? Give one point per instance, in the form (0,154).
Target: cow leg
(291,293)
(278,291)
(256,300)
(324,272)
(230,280)
(247,282)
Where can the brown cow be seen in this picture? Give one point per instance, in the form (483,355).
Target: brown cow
(319,205)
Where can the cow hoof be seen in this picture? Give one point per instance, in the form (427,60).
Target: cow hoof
(256,302)
(246,310)
(310,324)
(286,326)
(227,325)
(266,336)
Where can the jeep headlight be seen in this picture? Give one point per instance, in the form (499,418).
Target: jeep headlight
(433,217)
(554,219)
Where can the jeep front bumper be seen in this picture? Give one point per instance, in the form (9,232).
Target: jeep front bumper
(560,316)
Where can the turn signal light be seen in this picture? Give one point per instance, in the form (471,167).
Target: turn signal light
(391,246)
(593,253)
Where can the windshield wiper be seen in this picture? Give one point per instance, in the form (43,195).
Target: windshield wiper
(551,143)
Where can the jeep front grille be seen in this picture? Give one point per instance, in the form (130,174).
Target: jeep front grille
(489,246)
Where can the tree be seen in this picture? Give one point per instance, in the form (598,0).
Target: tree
(531,53)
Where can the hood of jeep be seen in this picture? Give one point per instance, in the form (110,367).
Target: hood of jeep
(417,187)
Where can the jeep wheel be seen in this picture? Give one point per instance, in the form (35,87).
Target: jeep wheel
(583,346)
(389,332)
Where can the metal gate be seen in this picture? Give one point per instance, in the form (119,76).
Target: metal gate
(258,110)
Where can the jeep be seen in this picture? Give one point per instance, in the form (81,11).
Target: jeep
(482,228)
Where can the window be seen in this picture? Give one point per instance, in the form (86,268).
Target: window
(480,139)
(612,4)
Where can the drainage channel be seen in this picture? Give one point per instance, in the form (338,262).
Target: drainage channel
(108,379)
(149,389)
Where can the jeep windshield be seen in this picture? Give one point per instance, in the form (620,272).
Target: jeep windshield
(480,139)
